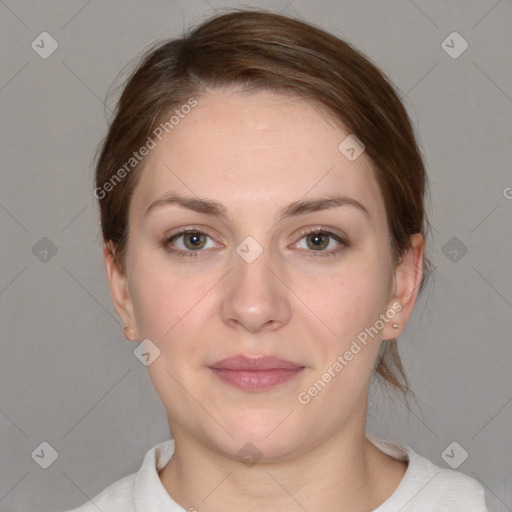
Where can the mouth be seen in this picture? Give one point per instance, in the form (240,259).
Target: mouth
(255,374)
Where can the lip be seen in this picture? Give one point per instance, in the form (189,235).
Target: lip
(255,374)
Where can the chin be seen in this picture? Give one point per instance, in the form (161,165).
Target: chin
(262,435)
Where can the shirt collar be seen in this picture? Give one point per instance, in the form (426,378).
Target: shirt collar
(149,495)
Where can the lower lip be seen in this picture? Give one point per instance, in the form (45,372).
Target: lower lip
(256,380)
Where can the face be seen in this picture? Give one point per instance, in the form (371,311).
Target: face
(259,309)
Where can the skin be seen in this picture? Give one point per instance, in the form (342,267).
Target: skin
(256,153)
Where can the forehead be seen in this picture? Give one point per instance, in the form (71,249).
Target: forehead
(255,151)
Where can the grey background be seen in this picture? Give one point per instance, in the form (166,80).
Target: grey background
(68,377)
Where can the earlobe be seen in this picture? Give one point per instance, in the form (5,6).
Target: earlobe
(408,275)
(119,291)
(129,334)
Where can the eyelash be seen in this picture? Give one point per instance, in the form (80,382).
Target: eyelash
(316,230)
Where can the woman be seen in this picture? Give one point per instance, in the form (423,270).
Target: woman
(261,196)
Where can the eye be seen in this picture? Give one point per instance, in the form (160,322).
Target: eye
(189,242)
(193,240)
(318,239)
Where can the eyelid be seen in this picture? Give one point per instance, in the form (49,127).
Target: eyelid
(324,229)
(186,229)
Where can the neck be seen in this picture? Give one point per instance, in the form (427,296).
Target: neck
(345,473)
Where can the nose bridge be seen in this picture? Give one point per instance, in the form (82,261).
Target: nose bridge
(252,262)
(252,275)
(254,297)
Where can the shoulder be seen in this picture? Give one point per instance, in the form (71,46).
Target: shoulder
(452,490)
(427,487)
(115,498)
(132,493)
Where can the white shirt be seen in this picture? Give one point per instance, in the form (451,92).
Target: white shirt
(425,487)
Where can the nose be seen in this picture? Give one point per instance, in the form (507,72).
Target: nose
(254,297)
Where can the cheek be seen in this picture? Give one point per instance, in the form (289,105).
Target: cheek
(344,362)
(159,299)
(166,306)
(172,307)
(353,300)
(353,297)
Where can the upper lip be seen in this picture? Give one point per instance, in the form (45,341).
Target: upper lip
(254,363)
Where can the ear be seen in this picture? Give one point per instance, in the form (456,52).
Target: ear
(119,292)
(407,275)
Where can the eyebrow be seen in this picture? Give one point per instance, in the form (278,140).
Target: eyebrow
(210,207)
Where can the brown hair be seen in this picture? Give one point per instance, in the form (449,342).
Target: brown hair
(258,50)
